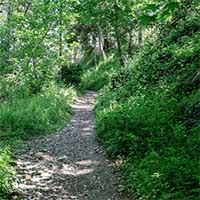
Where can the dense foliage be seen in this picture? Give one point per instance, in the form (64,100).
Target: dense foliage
(32,34)
(7,173)
(143,56)
(96,77)
(39,114)
(150,115)
(23,118)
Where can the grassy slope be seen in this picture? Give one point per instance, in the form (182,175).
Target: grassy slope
(27,117)
(150,115)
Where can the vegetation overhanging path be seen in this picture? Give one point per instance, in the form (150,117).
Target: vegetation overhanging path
(68,164)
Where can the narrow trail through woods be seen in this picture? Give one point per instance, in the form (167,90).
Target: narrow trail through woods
(68,164)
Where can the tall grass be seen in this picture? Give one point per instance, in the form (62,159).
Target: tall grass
(30,116)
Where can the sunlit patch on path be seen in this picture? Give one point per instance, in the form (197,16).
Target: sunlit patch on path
(68,164)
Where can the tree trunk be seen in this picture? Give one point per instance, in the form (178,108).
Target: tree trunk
(27,6)
(140,39)
(8,17)
(119,49)
(101,43)
(60,37)
(9,6)
(130,44)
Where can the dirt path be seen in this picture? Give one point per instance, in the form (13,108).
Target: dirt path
(68,164)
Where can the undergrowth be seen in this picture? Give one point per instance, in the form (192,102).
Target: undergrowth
(95,78)
(28,116)
(7,173)
(149,114)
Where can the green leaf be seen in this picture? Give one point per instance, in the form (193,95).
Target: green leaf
(173,5)
(145,19)
(151,7)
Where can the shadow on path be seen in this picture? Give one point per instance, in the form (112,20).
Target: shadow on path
(68,164)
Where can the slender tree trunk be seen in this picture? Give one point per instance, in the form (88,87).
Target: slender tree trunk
(27,6)
(140,39)
(130,44)
(95,59)
(95,48)
(140,36)
(117,35)
(9,13)
(101,42)
(119,49)
(74,54)
(9,7)
(60,36)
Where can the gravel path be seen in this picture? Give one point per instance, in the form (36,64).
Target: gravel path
(69,164)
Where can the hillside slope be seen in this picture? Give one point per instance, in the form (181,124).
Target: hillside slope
(149,114)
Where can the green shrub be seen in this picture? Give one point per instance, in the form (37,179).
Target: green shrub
(34,115)
(7,174)
(71,74)
(24,116)
(11,90)
(97,77)
(161,151)
(130,120)
(149,114)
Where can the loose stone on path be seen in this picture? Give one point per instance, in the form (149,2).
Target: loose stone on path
(69,165)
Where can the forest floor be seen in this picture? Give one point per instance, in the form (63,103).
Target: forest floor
(69,164)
